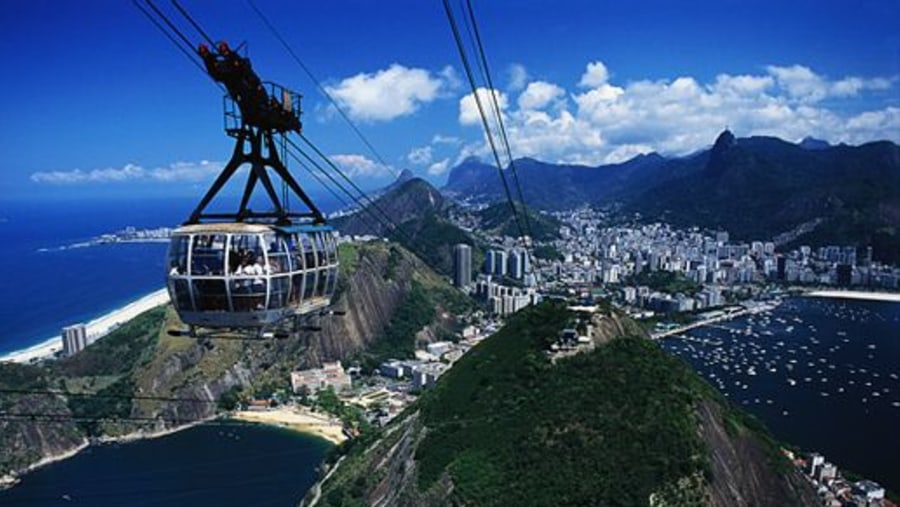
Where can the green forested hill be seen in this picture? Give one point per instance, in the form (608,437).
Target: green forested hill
(624,424)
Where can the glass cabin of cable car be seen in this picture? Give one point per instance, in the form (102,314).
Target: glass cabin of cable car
(238,275)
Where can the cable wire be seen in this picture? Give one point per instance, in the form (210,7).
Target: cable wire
(319,86)
(487,130)
(487,74)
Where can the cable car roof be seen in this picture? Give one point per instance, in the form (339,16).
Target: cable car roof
(304,228)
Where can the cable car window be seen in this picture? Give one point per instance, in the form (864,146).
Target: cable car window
(278,254)
(279,295)
(296,287)
(180,294)
(210,295)
(178,254)
(309,252)
(309,284)
(321,282)
(246,249)
(320,249)
(208,255)
(296,249)
(331,248)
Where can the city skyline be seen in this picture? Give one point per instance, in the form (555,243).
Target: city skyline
(103,105)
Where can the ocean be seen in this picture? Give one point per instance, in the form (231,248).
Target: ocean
(823,374)
(211,464)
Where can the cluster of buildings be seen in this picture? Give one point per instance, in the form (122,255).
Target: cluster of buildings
(833,489)
(132,234)
(598,254)
(396,383)
(329,376)
(506,285)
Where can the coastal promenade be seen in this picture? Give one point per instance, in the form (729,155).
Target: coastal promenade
(98,328)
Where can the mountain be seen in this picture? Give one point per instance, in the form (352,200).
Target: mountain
(811,143)
(759,187)
(621,424)
(420,212)
(552,186)
(756,188)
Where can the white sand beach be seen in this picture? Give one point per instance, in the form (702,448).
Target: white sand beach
(854,294)
(298,419)
(98,327)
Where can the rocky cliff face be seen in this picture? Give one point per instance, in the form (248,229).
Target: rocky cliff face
(730,464)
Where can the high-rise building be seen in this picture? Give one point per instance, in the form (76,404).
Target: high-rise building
(462,265)
(515,268)
(489,262)
(74,339)
(500,263)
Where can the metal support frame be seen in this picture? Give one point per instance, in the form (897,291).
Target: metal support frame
(260,165)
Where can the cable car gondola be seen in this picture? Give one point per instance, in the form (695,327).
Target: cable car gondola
(248,269)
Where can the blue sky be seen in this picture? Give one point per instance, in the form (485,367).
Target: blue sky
(96,103)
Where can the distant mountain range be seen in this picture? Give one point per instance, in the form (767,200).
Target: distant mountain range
(756,188)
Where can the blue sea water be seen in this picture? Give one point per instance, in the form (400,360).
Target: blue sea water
(212,464)
(822,374)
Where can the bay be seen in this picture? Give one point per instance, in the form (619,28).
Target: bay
(822,374)
(210,464)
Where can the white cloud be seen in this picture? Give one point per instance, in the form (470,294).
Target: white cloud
(594,75)
(442,139)
(358,165)
(391,93)
(439,168)
(604,121)
(539,94)
(468,107)
(420,156)
(518,77)
(174,173)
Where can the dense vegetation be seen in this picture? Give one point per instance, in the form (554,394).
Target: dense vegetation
(609,427)
(665,281)
(432,238)
(417,310)
(547,252)
(499,219)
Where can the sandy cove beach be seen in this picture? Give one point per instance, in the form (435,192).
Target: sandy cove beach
(892,297)
(98,327)
(302,420)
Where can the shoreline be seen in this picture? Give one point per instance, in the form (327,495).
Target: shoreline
(302,421)
(99,327)
(888,297)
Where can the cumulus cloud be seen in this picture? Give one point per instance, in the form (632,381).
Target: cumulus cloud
(606,122)
(595,75)
(174,173)
(391,93)
(468,107)
(359,165)
(540,94)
